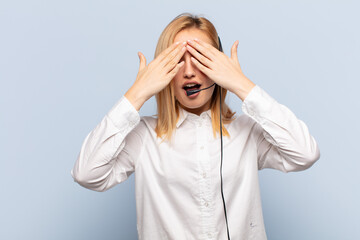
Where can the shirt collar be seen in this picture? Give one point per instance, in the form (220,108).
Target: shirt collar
(183,114)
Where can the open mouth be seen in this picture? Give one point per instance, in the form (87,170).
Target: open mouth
(191,86)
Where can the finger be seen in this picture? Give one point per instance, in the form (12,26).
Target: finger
(167,51)
(234,49)
(203,47)
(202,68)
(205,61)
(173,72)
(142,61)
(165,61)
(173,58)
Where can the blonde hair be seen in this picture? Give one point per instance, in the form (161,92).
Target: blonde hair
(167,106)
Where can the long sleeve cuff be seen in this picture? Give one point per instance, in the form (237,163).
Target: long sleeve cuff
(124,115)
(258,105)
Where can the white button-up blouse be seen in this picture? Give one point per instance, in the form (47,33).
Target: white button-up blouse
(177,183)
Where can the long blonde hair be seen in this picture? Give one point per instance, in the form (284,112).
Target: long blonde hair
(167,106)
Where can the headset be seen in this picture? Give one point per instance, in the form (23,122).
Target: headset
(191,92)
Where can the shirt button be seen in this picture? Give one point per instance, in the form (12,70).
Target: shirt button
(204,175)
(202,147)
(209,234)
(199,124)
(206,204)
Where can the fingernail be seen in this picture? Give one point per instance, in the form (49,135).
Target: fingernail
(184,43)
(177,43)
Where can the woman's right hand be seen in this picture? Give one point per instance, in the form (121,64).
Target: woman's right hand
(154,77)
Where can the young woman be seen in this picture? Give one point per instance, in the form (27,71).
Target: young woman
(176,155)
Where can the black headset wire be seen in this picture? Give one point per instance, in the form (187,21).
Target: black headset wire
(222,193)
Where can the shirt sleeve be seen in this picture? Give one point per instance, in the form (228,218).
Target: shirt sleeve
(283,141)
(109,151)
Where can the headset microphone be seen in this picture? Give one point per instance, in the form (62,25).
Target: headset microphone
(191,92)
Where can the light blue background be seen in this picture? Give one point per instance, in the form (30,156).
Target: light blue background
(64,64)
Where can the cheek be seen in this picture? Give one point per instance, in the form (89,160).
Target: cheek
(176,82)
(176,75)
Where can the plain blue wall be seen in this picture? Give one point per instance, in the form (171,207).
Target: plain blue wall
(64,64)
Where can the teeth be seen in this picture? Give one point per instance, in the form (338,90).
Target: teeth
(190,85)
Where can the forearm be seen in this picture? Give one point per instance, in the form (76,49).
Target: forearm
(245,86)
(100,163)
(283,140)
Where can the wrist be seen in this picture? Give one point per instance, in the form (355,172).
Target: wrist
(245,88)
(135,98)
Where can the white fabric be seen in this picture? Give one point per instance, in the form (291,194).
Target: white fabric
(178,184)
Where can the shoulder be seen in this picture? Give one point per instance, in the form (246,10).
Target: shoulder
(144,130)
(242,123)
(147,123)
(242,120)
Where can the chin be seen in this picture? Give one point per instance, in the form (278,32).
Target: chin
(193,105)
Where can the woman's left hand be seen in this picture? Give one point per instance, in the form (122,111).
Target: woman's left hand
(221,69)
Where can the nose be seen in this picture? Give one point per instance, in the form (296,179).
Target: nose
(189,67)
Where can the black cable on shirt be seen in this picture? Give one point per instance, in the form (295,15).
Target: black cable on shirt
(222,194)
